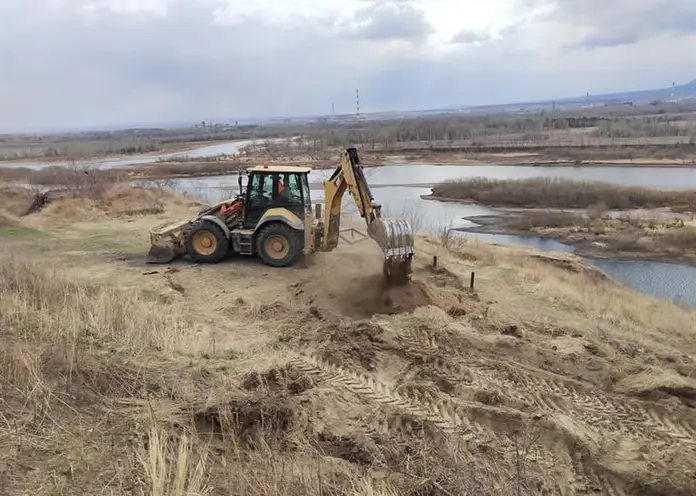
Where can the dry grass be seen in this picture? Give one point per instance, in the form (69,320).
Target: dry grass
(171,471)
(605,310)
(86,201)
(561,193)
(14,201)
(153,391)
(106,368)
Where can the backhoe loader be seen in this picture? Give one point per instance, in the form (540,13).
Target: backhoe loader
(275,220)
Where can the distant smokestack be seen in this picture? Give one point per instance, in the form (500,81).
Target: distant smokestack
(357,104)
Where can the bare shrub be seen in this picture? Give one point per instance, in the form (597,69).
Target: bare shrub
(597,210)
(411,212)
(683,238)
(443,232)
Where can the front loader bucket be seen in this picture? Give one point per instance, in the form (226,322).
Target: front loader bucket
(166,244)
(395,238)
(160,255)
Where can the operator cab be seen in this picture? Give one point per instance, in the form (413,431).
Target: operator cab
(276,187)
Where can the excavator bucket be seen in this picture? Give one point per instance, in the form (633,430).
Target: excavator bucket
(395,238)
(166,243)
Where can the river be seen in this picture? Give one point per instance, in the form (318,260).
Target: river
(399,187)
(227,148)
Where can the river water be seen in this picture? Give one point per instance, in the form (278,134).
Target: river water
(228,148)
(399,188)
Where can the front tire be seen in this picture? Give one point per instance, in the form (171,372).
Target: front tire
(206,242)
(277,245)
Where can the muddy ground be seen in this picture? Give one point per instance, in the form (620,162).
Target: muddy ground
(546,378)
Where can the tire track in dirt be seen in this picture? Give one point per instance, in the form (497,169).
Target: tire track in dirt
(418,405)
(607,418)
(625,418)
(439,413)
(553,394)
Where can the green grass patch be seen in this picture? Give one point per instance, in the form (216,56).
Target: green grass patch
(18,232)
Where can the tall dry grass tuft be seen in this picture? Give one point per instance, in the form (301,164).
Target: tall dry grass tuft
(43,306)
(172,470)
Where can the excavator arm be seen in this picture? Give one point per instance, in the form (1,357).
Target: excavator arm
(394,236)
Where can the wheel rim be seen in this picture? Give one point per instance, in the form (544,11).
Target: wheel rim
(276,246)
(204,242)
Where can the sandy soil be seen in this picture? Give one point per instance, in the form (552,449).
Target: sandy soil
(546,378)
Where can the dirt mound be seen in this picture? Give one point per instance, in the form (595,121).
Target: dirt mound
(14,200)
(7,219)
(657,383)
(361,298)
(277,379)
(112,201)
(373,296)
(122,200)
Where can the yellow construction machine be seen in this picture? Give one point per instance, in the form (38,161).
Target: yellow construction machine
(275,220)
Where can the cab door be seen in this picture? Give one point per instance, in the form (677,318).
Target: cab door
(260,197)
(310,233)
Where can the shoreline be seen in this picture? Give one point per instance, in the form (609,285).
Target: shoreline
(495,224)
(379,159)
(540,163)
(57,161)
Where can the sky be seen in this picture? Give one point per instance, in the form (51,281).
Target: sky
(101,63)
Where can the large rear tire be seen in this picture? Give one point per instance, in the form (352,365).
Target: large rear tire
(206,242)
(278,246)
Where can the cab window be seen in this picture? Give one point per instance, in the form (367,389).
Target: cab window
(305,189)
(291,190)
(261,188)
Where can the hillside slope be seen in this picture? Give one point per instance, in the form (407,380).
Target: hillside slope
(120,377)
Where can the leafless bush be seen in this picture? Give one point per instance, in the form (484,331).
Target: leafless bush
(597,210)
(411,212)
(683,238)
(443,232)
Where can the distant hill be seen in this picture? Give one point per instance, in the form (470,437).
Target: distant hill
(688,89)
(641,97)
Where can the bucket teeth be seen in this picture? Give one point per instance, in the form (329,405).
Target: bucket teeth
(395,238)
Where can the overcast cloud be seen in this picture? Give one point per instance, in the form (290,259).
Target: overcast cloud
(112,62)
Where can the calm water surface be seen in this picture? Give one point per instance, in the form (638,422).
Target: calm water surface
(230,148)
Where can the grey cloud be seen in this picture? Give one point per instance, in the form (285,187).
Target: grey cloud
(621,22)
(466,36)
(57,69)
(390,19)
